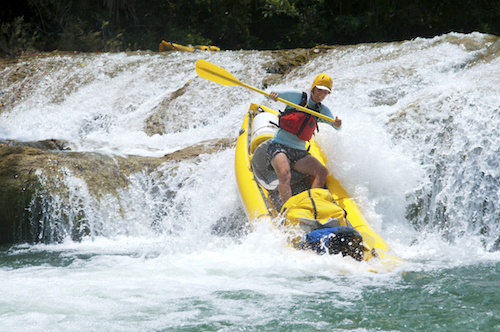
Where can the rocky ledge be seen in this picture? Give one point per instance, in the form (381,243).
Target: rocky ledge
(29,173)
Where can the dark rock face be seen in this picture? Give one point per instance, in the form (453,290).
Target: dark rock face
(32,176)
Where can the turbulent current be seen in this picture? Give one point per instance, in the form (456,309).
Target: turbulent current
(418,151)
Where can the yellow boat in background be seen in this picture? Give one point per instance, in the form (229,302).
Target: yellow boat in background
(258,191)
(169,46)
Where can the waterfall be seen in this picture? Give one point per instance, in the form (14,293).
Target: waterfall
(418,149)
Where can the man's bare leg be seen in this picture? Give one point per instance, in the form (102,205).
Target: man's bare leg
(281,166)
(311,166)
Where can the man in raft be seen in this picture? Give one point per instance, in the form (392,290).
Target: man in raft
(288,146)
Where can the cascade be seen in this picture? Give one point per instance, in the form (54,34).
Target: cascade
(419,147)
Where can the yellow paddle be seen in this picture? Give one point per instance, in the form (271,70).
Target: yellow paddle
(219,75)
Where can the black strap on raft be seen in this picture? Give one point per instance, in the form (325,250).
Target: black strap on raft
(313,204)
(316,210)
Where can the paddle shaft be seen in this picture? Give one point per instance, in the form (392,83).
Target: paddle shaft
(219,75)
(304,109)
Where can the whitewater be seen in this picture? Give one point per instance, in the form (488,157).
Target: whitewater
(418,151)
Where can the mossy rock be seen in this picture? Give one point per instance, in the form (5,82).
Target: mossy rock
(285,61)
(33,177)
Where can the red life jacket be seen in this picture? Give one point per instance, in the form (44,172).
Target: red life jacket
(297,122)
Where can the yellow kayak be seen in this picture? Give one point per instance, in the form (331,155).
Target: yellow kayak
(333,208)
(169,46)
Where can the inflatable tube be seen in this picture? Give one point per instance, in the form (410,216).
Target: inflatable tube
(258,192)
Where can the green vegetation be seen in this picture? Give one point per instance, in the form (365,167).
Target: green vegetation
(118,25)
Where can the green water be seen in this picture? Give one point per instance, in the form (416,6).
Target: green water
(77,290)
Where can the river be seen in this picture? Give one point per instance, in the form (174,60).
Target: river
(418,152)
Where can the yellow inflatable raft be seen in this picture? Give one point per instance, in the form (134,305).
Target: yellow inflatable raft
(331,207)
(169,46)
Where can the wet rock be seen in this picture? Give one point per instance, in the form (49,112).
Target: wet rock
(45,145)
(32,176)
(155,123)
(210,146)
(285,61)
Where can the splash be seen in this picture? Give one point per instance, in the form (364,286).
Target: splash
(418,149)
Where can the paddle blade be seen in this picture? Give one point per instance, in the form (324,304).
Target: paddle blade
(215,73)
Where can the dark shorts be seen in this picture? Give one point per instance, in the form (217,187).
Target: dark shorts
(292,154)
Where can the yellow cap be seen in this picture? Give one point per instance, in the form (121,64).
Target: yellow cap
(323,82)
